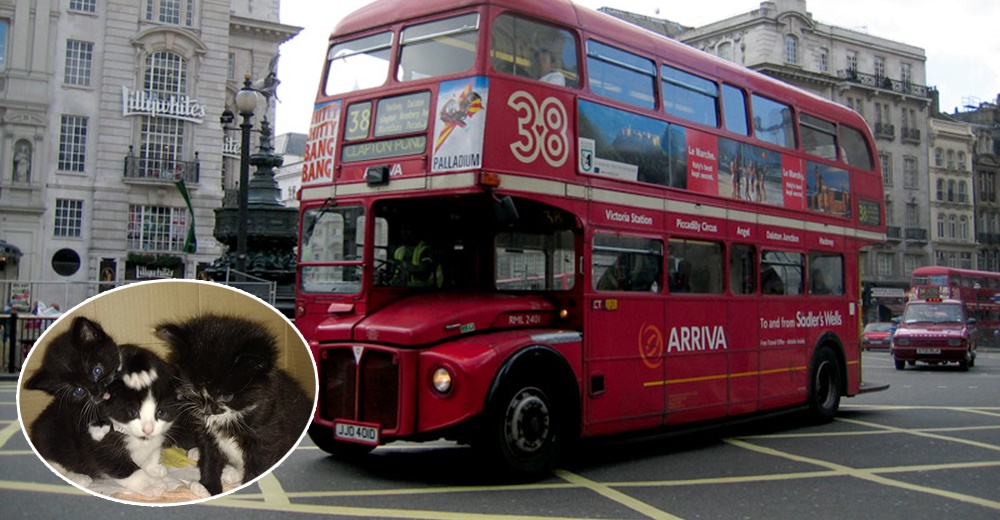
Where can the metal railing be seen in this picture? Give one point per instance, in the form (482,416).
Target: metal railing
(884,83)
(18,333)
(168,170)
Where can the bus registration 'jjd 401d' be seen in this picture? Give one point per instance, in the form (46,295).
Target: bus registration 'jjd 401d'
(356,432)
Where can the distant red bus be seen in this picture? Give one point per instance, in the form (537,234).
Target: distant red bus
(978,290)
(528,222)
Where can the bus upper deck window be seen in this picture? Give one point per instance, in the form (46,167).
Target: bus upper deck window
(534,50)
(772,122)
(358,64)
(856,151)
(691,97)
(438,48)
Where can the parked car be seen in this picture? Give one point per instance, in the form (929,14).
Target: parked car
(935,331)
(877,335)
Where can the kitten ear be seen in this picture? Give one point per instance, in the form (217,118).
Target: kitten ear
(173,334)
(42,380)
(86,332)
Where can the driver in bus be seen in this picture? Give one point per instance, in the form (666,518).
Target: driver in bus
(416,265)
(547,67)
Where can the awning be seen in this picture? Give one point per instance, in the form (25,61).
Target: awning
(10,253)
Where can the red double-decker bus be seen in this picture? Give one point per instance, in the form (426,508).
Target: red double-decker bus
(978,290)
(528,222)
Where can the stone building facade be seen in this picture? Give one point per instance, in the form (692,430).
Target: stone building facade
(111,146)
(952,195)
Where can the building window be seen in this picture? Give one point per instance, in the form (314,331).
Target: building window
(940,226)
(910,178)
(879,67)
(852,61)
(79,63)
(913,215)
(791,49)
(73,143)
(3,44)
(175,12)
(961,161)
(952,227)
(885,267)
(162,140)
(938,157)
(951,159)
(965,261)
(940,189)
(156,228)
(824,59)
(906,74)
(951,191)
(725,51)
(885,161)
(911,262)
(69,218)
(963,195)
(231,74)
(963,228)
(83,6)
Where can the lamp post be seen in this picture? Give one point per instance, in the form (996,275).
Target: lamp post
(246,103)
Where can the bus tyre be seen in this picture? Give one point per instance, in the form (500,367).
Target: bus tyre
(824,386)
(522,430)
(322,437)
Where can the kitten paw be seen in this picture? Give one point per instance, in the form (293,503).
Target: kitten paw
(140,380)
(232,476)
(156,470)
(194,454)
(199,490)
(98,432)
(153,491)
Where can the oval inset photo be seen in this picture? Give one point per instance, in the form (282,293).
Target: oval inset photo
(167,392)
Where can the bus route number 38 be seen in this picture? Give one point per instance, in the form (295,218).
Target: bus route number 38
(354,432)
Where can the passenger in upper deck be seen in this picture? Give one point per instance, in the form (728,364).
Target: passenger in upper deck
(547,63)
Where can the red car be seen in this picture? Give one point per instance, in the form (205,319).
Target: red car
(935,331)
(877,335)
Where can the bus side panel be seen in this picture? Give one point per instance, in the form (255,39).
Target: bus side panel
(697,359)
(784,353)
(744,357)
(624,366)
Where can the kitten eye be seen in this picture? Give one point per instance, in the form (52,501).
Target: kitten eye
(79,392)
(160,413)
(97,372)
(133,413)
(225,398)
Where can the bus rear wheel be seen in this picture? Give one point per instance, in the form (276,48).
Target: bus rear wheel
(824,386)
(522,430)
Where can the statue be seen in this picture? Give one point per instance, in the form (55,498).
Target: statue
(22,161)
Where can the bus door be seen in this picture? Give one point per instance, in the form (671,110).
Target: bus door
(623,334)
(697,331)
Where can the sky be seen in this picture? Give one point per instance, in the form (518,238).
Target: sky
(960,39)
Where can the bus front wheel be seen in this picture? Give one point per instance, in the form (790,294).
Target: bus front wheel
(522,430)
(824,386)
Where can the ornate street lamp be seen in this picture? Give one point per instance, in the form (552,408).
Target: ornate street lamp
(246,103)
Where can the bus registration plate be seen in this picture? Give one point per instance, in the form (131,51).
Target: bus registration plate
(928,351)
(356,432)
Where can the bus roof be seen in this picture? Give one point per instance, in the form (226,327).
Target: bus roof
(381,13)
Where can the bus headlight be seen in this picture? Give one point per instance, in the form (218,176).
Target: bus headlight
(441,380)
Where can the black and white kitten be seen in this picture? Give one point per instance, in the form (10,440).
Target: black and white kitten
(251,413)
(71,432)
(144,408)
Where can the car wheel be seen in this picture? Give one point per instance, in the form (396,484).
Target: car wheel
(900,364)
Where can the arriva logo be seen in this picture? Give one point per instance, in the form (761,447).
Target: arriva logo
(692,339)
(651,345)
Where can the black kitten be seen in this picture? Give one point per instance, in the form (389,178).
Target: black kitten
(71,433)
(250,412)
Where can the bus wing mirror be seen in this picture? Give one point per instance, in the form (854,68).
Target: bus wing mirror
(505,211)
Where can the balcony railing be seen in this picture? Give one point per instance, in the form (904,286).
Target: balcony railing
(882,82)
(166,170)
(885,130)
(918,234)
(910,134)
(894,232)
(989,238)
